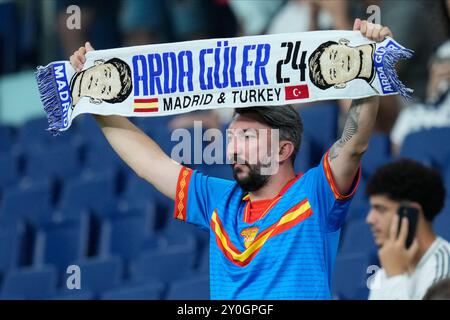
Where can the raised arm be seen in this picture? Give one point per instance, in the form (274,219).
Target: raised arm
(345,155)
(137,149)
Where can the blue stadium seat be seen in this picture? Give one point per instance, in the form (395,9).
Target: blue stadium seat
(222,171)
(8,296)
(27,201)
(358,211)
(441,223)
(153,125)
(124,235)
(96,192)
(357,238)
(10,245)
(6,138)
(193,288)
(57,162)
(360,194)
(60,244)
(145,207)
(377,154)
(165,264)
(88,129)
(74,294)
(350,277)
(100,155)
(138,190)
(320,121)
(149,290)
(183,240)
(217,150)
(446,175)
(191,138)
(30,283)
(214,160)
(33,136)
(103,160)
(427,146)
(98,274)
(203,265)
(176,232)
(303,160)
(163,136)
(177,227)
(75,212)
(164,140)
(8,174)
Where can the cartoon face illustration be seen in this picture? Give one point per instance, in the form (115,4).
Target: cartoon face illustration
(335,64)
(108,81)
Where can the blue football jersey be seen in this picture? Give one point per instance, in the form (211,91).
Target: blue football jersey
(288,253)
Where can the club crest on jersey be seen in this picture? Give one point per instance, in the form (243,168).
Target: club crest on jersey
(249,235)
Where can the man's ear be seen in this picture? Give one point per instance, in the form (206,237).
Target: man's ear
(340,85)
(99,62)
(286,150)
(95,100)
(416,205)
(344,41)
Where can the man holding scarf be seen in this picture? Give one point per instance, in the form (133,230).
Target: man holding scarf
(272,235)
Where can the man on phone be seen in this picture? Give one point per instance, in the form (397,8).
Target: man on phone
(408,269)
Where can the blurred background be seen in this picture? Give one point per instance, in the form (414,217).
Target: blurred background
(70,200)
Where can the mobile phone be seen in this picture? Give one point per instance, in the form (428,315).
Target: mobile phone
(412,214)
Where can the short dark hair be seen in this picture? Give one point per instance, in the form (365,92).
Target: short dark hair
(125,80)
(408,180)
(439,291)
(284,118)
(315,72)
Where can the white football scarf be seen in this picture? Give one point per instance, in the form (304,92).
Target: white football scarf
(267,70)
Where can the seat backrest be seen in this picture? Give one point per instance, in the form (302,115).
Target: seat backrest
(62,243)
(32,202)
(350,276)
(35,283)
(194,288)
(165,264)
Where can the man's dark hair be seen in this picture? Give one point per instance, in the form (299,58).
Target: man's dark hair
(439,291)
(284,118)
(408,180)
(315,72)
(125,80)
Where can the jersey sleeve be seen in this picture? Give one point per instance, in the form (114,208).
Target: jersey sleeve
(196,195)
(325,197)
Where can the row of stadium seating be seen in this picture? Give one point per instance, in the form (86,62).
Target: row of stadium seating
(70,200)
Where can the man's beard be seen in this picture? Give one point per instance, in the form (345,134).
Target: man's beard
(253,181)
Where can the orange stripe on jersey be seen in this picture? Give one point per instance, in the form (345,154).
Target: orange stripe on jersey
(182,194)
(252,213)
(247,216)
(293,216)
(329,176)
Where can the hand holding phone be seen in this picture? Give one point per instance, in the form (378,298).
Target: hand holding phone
(412,214)
(399,250)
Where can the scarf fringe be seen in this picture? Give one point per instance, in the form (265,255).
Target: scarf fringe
(389,60)
(48,90)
